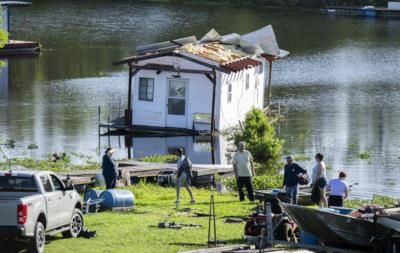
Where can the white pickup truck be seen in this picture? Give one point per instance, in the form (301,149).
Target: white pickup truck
(36,203)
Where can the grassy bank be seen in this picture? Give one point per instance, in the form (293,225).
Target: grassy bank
(132,231)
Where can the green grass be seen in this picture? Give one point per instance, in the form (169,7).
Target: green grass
(384,201)
(47,164)
(302,157)
(132,231)
(158,158)
(65,163)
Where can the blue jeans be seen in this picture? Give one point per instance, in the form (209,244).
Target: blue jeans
(292,193)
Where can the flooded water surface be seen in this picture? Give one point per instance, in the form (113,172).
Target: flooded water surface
(340,84)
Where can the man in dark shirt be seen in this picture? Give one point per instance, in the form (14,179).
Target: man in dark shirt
(110,169)
(291,179)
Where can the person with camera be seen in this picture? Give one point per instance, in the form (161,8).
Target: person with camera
(293,176)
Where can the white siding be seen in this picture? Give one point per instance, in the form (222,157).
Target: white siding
(199,94)
(243,100)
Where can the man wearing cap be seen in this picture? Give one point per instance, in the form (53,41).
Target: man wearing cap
(244,170)
(110,169)
(291,179)
(339,190)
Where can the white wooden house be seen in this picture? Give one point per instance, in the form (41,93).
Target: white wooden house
(208,84)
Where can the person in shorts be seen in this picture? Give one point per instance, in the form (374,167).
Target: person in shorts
(319,180)
(184,175)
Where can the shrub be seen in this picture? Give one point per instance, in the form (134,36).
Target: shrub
(365,155)
(261,140)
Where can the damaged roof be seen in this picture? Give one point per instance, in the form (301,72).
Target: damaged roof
(232,52)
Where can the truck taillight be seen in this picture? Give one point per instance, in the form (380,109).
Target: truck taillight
(22,213)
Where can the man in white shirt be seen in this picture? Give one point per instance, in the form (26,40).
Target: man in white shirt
(339,190)
(244,171)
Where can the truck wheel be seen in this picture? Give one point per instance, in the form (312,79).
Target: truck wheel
(39,239)
(76,225)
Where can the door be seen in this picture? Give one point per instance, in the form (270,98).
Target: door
(176,103)
(53,202)
(64,201)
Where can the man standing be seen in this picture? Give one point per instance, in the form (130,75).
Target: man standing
(244,170)
(339,190)
(110,169)
(291,179)
(184,175)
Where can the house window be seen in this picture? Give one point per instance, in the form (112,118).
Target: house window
(229,92)
(146,89)
(247,81)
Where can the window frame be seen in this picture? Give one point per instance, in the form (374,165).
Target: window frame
(229,93)
(260,68)
(50,183)
(247,81)
(146,97)
(59,182)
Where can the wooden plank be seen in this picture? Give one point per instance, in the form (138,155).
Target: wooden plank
(144,169)
(220,249)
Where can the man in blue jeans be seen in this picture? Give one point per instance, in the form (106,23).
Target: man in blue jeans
(291,179)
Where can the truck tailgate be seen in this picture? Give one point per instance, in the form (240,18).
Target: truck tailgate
(8,215)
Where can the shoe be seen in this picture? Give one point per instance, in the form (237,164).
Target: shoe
(192,201)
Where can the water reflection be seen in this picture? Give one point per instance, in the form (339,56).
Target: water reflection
(340,82)
(198,148)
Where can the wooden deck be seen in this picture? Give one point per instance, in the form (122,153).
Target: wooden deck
(19,47)
(144,169)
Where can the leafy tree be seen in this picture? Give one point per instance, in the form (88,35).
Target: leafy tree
(261,140)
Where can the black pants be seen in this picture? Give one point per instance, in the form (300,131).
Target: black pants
(245,181)
(335,201)
(110,182)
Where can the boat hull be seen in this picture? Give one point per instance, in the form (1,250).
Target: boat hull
(333,229)
(390,221)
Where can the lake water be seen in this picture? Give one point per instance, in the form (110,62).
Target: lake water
(341,82)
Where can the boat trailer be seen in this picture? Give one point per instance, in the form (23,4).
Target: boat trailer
(266,240)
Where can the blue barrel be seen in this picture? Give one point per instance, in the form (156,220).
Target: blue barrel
(308,238)
(117,199)
(92,195)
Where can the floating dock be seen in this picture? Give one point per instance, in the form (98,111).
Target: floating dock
(19,47)
(380,12)
(137,169)
(15,47)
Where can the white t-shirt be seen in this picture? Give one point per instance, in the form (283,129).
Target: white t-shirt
(242,161)
(338,187)
(314,171)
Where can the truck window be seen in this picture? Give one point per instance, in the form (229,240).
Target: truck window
(56,183)
(46,183)
(17,184)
